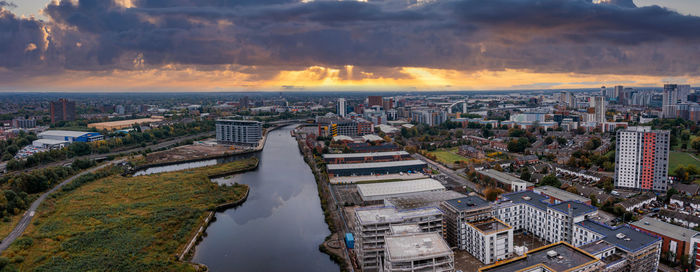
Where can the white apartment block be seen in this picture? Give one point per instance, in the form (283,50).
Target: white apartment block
(489,240)
(641,159)
(373,224)
(238,131)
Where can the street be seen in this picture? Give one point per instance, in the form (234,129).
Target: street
(449,172)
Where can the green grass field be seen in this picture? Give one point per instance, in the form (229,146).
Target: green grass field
(448,156)
(123,223)
(680,158)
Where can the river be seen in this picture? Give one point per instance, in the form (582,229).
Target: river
(280,226)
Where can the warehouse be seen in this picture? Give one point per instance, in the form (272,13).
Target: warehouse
(375,168)
(70,136)
(380,191)
(366,157)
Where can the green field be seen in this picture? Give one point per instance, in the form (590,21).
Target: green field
(680,158)
(448,156)
(123,223)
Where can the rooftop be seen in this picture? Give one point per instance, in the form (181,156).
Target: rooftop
(596,246)
(468,203)
(560,194)
(489,226)
(578,208)
(373,215)
(375,165)
(416,246)
(363,155)
(529,197)
(556,257)
(63,133)
(426,199)
(665,229)
(501,177)
(399,187)
(624,237)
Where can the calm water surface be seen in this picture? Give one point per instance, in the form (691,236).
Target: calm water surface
(281,224)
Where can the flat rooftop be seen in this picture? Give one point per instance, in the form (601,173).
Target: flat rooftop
(374,215)
(399,187)
(63,133)
(416,246)
(500,176)
(529,197)
(567,257)
(578,208)
(632,241)
(426,199)
(560,194)
(490,226)
(468,203)
(596,247)
(363,155)
(375,165)
(666,229)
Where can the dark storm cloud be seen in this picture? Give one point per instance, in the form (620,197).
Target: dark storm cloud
(7,4)
(544,36)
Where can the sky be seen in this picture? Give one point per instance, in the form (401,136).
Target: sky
(375,45)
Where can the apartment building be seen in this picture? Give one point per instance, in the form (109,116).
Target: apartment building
(373,224)
(238,131)
(641,159)
(489,240)
(557,257)
(414,252)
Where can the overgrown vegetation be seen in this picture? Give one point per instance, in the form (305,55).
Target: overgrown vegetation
(123,223)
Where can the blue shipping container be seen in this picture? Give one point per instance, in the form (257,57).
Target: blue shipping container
(349,240)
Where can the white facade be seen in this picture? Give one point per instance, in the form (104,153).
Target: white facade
(238,131)
(599,105)
(341,107)
(489,241)
(641,159)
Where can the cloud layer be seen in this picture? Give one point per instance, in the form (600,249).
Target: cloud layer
(263,37)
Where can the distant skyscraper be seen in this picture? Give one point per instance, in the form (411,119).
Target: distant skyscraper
(62,110)
(618,92)
(673,94)
(341,107)
(568,99)
(599,105)
(244,102)
(641,158)
(375,101)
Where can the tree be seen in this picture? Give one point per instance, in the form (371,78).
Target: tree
(561,140)
(548,140)
(525,175)
(594,200)
(551,180)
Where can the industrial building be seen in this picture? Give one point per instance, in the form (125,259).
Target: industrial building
(238,132)
(677,241)
(375,168)
(505,181)
(366,157)
(641,159)
(124,123)
(414,252)
(49,143)
(380,191)
(558,257)
(373,224)
(70,136)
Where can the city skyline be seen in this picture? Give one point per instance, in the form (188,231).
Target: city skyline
(149,46)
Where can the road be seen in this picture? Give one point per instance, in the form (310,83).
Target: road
(136,149)
(29,214)
(449,172)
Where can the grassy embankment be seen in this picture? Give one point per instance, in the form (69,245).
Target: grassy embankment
(124,223)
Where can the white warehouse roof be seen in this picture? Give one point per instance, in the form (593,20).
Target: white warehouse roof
(362,155)
(378,191)
(374,164)
(62,133)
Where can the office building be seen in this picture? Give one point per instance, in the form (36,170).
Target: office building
(62,110)
(238,132)
(341,107)
(557,257)
(373,224)
(641,158)
(417,252)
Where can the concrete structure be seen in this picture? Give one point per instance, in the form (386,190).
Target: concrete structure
(238,132)
(124,123)
(641,159)
(422,200)
(381,191)
(458,212)
(417,252)
(489,240)
(677,241)
(599,105)
(366,157)
(373,224)
(341,107)
(62,110)
(375,168)
(557,257)
(505,181)
(557,195)
(70,136)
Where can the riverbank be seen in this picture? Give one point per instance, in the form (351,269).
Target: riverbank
(125,223)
